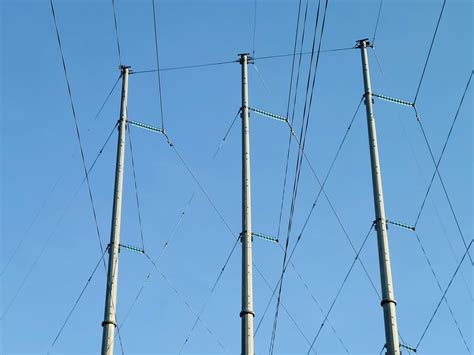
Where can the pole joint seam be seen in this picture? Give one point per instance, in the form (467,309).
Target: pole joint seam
(106,322)
(388,300)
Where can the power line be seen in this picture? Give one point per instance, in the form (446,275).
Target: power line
(158,65)
(254,26)
(429,52)
(304,130)
(211,64)
(226,134)
(76,125)
(443,296)
(107,97)
(116,33)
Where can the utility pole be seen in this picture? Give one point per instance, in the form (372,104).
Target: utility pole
(109,324)
(388,299)
(247,315)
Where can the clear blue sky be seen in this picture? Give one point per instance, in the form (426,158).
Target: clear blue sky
(40,154)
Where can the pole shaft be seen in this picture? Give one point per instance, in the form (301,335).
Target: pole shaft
(388,299)
(247,315)
(109,324)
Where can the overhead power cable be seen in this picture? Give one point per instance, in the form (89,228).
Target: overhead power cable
(226,134)
(107,97)
(76,125)
(429,52)
(303,132)
(254,26)
(443,296)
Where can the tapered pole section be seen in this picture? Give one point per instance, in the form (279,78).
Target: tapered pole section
(247,313)
(109,324)
(388,299)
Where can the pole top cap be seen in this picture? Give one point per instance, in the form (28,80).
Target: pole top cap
(123,67)
(243,55)
(363,43)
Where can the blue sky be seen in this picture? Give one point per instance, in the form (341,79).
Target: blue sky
(42,170)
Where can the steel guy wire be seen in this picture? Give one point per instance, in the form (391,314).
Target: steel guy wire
(137,200)
(76,302)
(429,52)
(158,65)
(377,22)
(107,97)
(76,125)
(443,296)
(441,290)
(208,297)
(47,241)
(186,303)
(116,33)
(226,134)
(420,171)
(340,288)
(165,246)
(254,26)
(441,181)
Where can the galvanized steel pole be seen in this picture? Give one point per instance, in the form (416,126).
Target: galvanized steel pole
(247,315)
(109,324)
(388,299)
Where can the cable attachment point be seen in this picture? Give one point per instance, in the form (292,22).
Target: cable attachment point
(265,237)
(408,347)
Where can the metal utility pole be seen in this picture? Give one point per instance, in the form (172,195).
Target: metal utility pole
(109,324)
(247,315)
(388,299)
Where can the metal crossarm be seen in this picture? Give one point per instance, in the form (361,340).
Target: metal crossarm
(132,248)
(394,100)
(269,114)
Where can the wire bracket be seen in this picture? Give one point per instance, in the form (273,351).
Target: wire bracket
(394,100)
(269,114)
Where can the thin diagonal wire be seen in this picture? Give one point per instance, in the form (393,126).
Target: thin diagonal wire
(76,125)
(377,22)
(186,303)
(340,288)
(137,199)
(107,97)
(442,182)
(226,134)
(288,108)
(441,290)
(443,296)
(184,67)
(443,150)
(420,171)
(116,33)
(46,242)
(158,65)
(303,53)
(76,303)
(165,246)
(208,297)
(429,52)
